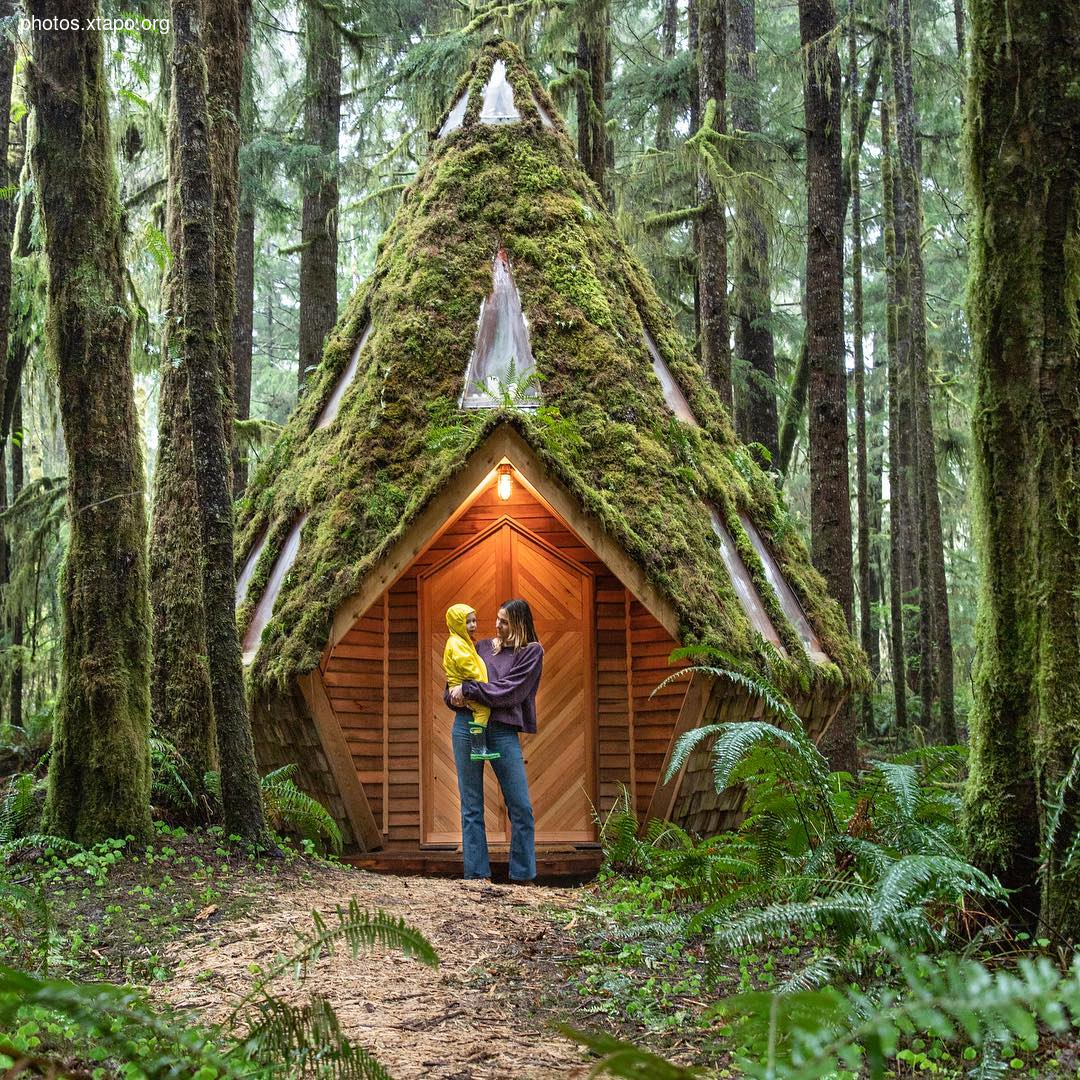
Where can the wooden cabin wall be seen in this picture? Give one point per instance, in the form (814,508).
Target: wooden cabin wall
(354,677)
(284,734)
(698,807)
(382,728)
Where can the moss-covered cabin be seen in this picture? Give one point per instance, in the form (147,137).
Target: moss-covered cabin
(506,409)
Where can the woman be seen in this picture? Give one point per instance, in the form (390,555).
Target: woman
(514,659)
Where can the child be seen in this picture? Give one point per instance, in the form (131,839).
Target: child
(461,661)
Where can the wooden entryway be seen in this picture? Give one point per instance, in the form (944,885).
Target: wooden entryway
(502,561)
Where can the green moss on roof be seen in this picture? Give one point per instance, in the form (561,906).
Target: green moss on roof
(605,430)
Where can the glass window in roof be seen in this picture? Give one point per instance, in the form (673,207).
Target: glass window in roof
(244,578)
(501,361)
(673,395)
(789,602)
(745,589)
(456,116)
(330,409)
(265,607)
(498,106)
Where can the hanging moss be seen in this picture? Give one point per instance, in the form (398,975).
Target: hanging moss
(605,430)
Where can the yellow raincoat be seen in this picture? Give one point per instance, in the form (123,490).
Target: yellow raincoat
(460,659)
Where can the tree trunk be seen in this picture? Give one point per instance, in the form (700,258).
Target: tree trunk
(7,69)
(318,229)
(242,334)
(935,635)
(896,473)
(866,627)
(665,113)
(17,473)
(711,234)
(180,695)
(99,771)
(1024,177)
(796,403)
(201,333)
(693,42)
(592,60)
(756,413)
(244,319)
(830,511)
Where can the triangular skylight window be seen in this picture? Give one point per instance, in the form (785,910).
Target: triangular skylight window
(673,395)
(265,607)
(743,584)
(498,107)
(789,602)
(330,409)
(244,577)
(456,117)
(501,369)
(545,119)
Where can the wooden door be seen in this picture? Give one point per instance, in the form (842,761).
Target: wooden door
(559,760)
(470,576)
(559,757)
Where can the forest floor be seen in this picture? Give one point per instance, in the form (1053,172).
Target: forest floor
(482,1013)
(196,924)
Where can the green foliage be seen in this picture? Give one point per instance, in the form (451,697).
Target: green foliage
(803,1036)
(289,808)
(263,1037)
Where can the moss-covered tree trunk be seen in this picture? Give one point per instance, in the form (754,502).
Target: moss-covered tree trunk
(592,56)
(318,226)
(15,713)
(830,508)
(244,317)
(896,475)
(1024,306)
(867,631)
(201,340)
(182,705)
(756,413)
(99,772)
(7,176)
(711,235)
(665,112)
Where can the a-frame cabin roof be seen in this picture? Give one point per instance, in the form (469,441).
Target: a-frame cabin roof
(503,251)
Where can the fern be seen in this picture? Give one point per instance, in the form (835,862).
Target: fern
(287,807)
(623,1059)
(282,1039)
(802,1036)
(310,1037)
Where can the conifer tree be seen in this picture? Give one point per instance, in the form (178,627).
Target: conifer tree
(99,771)
(711,232)
(830,525)
(206,187)
(1023,798)
(318,228)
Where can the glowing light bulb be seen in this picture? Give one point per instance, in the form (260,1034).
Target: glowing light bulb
(505,485)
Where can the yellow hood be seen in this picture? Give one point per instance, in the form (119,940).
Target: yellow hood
(455,620)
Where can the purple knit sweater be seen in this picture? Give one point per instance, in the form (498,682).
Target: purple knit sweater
(510,692)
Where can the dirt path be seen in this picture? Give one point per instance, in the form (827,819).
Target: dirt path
(478,1016)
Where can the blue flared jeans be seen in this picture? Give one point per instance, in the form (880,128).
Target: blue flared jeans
(510,772)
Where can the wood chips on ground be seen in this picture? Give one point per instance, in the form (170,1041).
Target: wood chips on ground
(478,1015)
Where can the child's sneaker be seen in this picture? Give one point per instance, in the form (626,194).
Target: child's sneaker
(478,749)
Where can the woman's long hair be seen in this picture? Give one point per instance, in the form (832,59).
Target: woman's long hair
(519,616)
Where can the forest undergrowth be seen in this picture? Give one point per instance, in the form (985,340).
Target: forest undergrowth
(838,933)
